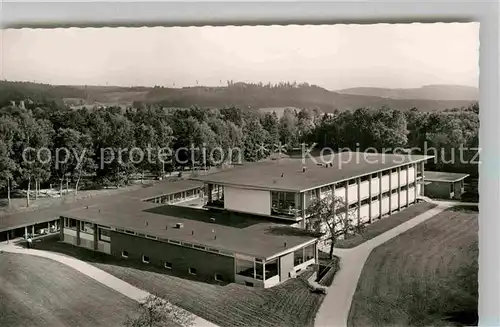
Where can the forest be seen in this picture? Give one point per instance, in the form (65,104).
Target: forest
(50,125)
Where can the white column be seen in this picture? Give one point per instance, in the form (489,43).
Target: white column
(399,188)
(390,192)
(346,199)
(358,181)
(407,186)
(379,195)
(370,198)
(415,182)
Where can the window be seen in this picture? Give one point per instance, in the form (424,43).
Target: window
(199,247)
(245,268)
(70,223)
(192,271)
(364,178)
(309,252)
(298,257)
(152,237)
(352,181)
(125,254)
(365,201)
(271,268)
(375,175)
(104,235)
(283,202)
(451,188)
(218,277)
(167,265)
(141,235)
(145,259)
(259,271)
(86,227)
(129,232)
(394,191)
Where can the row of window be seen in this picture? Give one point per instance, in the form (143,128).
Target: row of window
(168,265)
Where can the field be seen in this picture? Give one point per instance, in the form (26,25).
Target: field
(40,292)
(427,276)
(290,304)
(383,225)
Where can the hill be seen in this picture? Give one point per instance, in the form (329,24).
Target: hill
(242,95)
(427,92)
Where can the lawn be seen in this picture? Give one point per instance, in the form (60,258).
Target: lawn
(290,304)
(426,276)
(383,225)
(40,292)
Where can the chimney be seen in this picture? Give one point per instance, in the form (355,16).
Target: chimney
(192,232)
(146,222)
(212,220)
(303,169)
(282,174)
(215,237)
(285,243)
(166,226)
(179,225)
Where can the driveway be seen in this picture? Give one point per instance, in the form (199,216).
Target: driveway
(335,308)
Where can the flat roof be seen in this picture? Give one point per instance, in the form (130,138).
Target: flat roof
(231,232)
(161,188)
(287,174)
(438,176)
(27,218)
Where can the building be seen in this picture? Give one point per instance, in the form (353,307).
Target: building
(442,185)
(251,229)
(222,246)
(37,223)
(372,185)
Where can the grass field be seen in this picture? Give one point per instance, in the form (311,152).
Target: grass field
(383,225)
(290,304)
(40,292)
(427,276)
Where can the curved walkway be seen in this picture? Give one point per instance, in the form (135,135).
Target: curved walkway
(97,274)
(334,310)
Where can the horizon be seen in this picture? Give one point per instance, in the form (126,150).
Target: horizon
(334,57)
(221,86)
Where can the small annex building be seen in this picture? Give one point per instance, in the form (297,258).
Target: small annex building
(443,185)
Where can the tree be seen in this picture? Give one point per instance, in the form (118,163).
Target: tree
(157,312)
(329,216)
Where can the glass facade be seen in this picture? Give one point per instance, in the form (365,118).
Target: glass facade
(285,203)
(271,268)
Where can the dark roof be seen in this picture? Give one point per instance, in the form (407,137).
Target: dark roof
(236,233)
(438,176)
(346,165)
(28,218)
(161,188)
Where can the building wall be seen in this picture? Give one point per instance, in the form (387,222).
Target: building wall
(69,236)
(245,200)
(182,258)
(439,190)
(286,266)
(458,190)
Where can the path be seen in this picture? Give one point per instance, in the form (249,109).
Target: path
(97,274)
(334,310)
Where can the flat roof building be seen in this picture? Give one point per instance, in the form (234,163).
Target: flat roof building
(372,185)
(443,185)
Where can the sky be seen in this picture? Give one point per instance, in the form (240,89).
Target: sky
(332,56)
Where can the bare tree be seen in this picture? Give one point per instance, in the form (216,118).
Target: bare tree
(330,216)
(154,311)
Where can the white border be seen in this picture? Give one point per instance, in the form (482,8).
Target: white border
(63,14)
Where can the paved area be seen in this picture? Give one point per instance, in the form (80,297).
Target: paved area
(334,310)
(99,275)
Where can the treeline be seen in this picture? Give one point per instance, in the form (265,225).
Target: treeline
(49,126)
